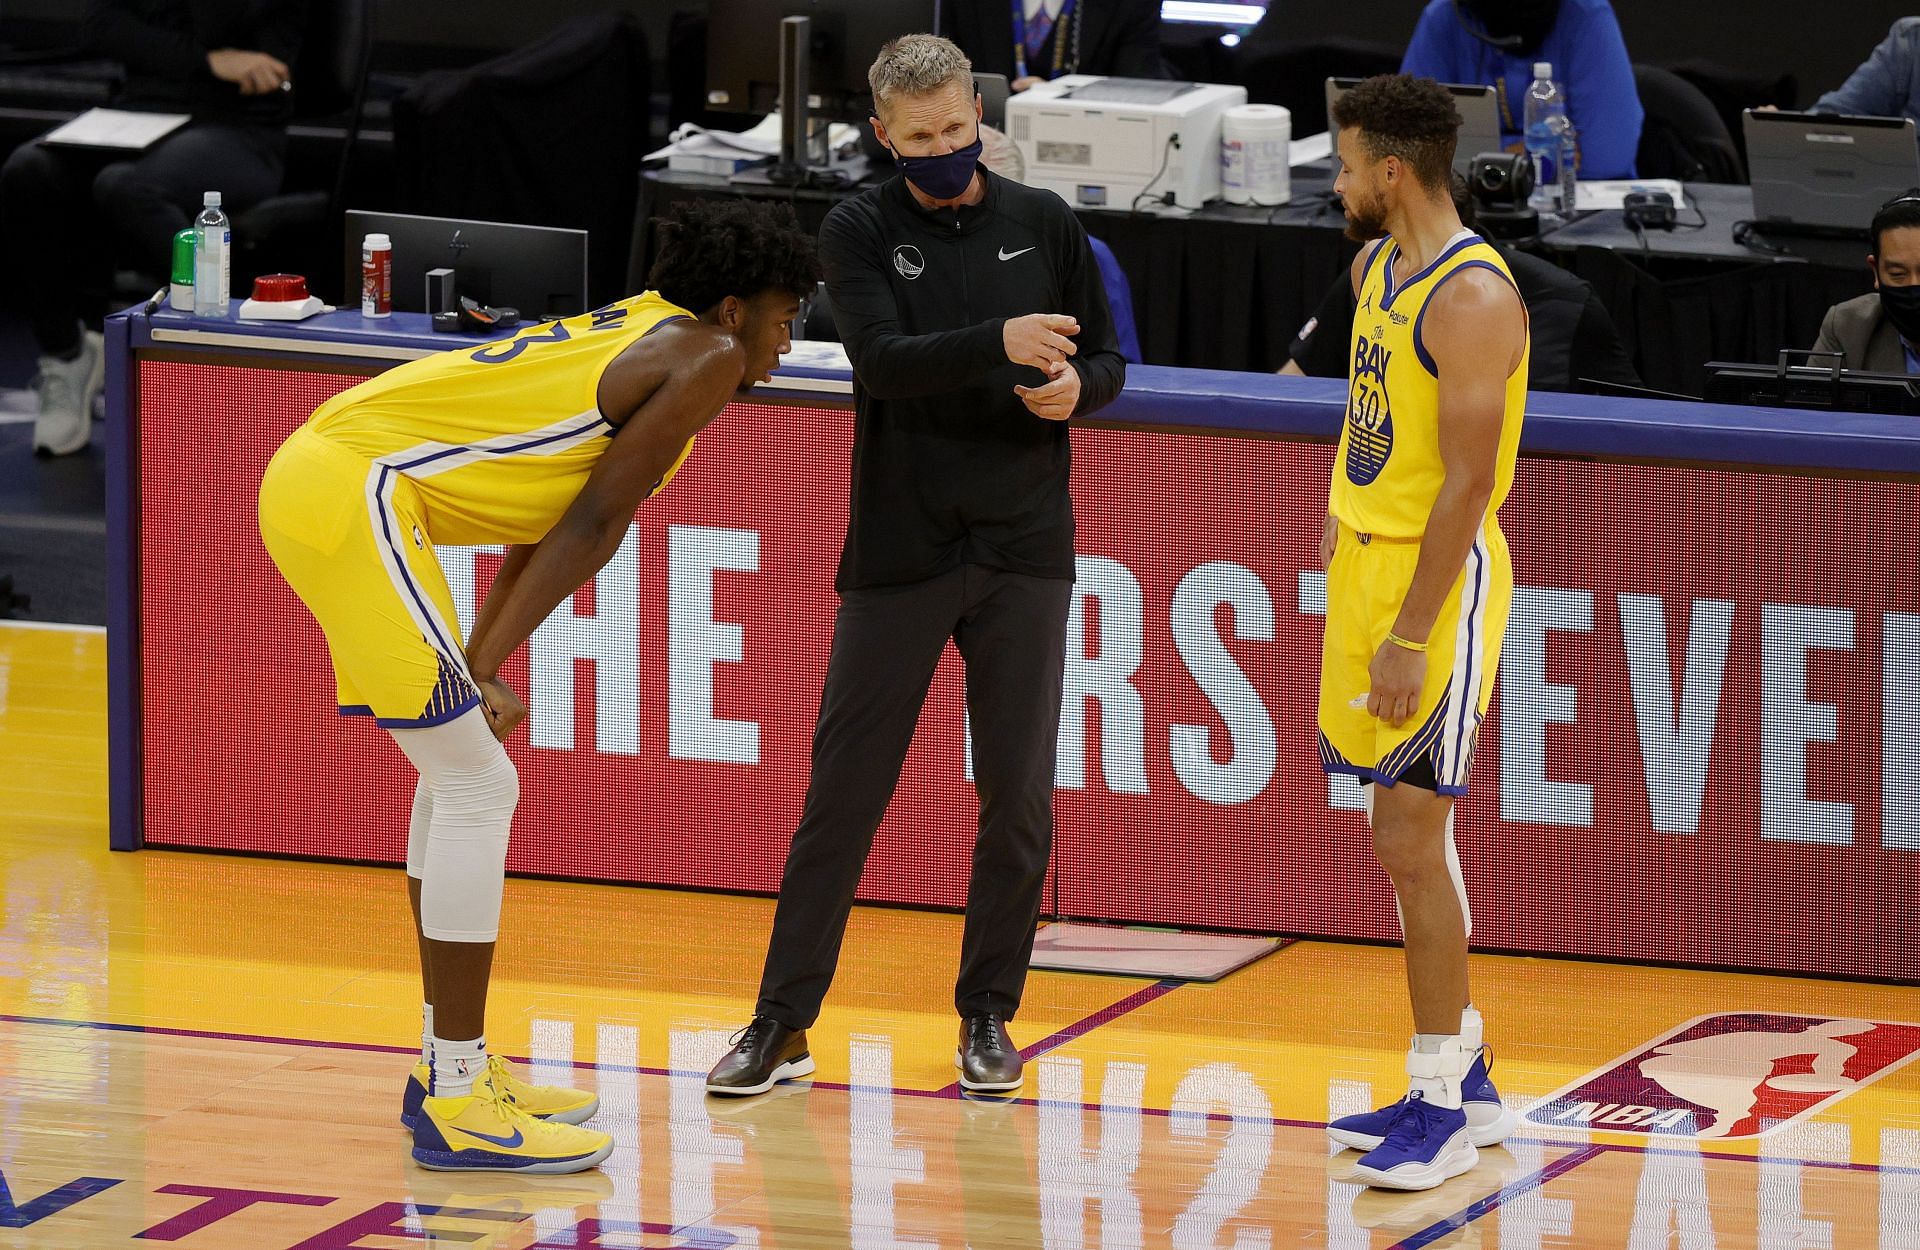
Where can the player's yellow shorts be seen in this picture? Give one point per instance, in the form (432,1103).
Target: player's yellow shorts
(348,535)
(1365,589)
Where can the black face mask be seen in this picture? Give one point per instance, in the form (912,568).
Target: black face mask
(1901,304)
(1516,27)
(944,177)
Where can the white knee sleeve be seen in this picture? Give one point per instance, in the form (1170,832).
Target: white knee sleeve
(417,828)
(470,789)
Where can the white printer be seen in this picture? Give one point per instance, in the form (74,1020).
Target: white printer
(1101,142)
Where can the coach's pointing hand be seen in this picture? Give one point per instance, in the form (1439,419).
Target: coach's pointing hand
(1039,339)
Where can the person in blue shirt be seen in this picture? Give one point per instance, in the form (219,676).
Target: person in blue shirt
(1497,41)
(1887,84)
(1119,298)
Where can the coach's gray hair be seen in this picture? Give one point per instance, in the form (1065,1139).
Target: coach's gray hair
(917,65)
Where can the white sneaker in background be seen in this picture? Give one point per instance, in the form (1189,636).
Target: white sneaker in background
(67,391)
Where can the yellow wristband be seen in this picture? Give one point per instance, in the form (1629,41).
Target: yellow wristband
(1405,644)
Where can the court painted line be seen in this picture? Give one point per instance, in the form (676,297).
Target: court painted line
(948,1092)
(1492,1202)
(1080,1028)
(1106,1015)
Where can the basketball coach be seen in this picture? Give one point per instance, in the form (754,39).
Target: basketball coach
(973,312)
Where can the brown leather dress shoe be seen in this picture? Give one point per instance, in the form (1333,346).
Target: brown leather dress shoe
(764,1052)
(987,1058)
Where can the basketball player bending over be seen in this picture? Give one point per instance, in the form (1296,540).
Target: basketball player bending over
(1419,583)
(547,441)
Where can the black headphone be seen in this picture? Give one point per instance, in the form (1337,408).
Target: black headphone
(1910,196)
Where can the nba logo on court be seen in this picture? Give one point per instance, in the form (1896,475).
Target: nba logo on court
(1744,1074)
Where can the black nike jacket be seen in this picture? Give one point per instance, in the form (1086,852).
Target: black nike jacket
(949,467)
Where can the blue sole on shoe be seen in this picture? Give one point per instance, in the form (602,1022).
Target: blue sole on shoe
(488,1161)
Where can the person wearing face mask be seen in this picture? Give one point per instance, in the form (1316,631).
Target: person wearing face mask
(1880,331)
(1497,42)
(973,313)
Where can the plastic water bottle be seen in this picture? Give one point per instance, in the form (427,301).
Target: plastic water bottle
(1569,168)
(212,259)
(1547,131)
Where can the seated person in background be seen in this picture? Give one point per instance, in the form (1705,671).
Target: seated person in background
(1119,299)
(1116,37)
(223,61)
(1573,336)
(1887,84)
(1497,41)
(1879,330)
(998,153)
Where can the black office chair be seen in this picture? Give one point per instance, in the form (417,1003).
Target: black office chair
(1295,75)
(1733,91)
(551,134)
(298,231)
(1683,136)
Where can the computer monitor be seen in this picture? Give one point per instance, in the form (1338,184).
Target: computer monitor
(993,90)
(1825,174)
(743,50)
(1813,386)
(539,270)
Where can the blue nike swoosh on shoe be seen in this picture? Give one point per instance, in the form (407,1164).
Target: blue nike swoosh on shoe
(507,1142)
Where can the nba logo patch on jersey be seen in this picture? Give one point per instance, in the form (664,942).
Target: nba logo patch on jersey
(1742,1074)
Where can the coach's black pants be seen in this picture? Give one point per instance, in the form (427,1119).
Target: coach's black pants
(1011,631)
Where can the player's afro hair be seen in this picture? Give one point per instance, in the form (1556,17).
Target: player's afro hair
(1411,118)
(710,249)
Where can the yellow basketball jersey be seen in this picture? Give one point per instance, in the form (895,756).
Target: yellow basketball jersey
(1388,471)
(497,439)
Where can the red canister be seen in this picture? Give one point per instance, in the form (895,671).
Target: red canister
(376,276)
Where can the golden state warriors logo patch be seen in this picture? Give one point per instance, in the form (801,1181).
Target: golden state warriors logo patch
(1369,417)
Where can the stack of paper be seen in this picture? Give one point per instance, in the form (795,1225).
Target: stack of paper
(117,129)
(1606,193)
(696,150)
(1310,149)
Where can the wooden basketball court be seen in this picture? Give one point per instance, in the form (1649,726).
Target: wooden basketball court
(210,1050)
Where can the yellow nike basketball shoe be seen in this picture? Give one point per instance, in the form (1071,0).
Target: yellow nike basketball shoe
(482,1132)
(544,1102)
